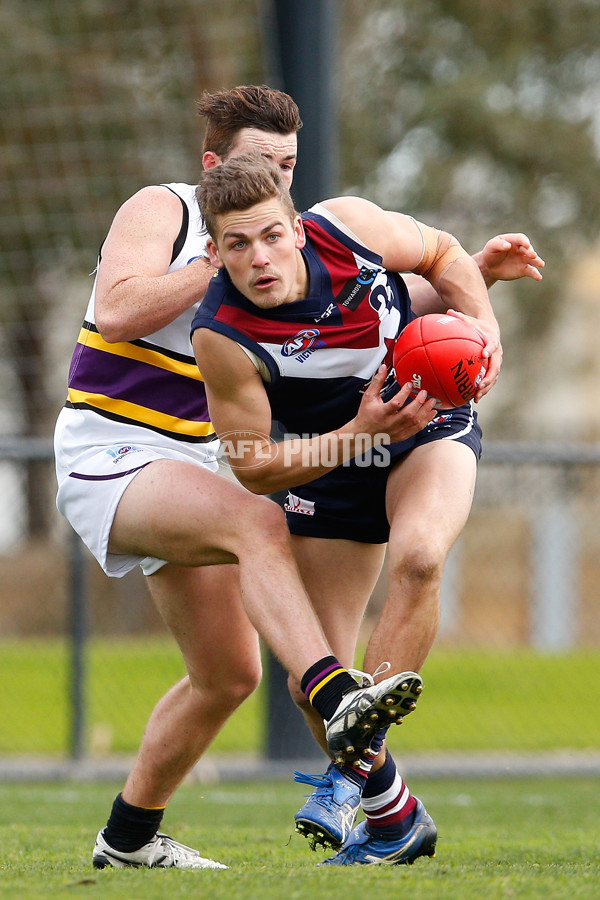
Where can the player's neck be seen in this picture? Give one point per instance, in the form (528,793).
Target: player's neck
(302,284)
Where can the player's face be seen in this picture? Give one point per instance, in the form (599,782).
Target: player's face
(260,248)
(280,149)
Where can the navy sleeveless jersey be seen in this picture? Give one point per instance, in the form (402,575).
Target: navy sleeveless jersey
(323,350)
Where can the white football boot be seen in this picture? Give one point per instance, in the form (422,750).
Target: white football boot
(364,711)
(162,851)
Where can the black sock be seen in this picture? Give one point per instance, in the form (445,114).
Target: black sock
(325,683)
(130,827)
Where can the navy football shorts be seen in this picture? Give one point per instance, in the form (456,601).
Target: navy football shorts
(349,501)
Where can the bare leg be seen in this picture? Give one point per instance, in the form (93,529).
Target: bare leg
(191,517)
(339,577)
(230,569)
(429,498)
(222,673)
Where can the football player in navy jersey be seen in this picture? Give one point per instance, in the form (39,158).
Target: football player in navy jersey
(299,327)
(135,390)
(137,471)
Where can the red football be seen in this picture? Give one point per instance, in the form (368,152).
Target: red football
(442,355)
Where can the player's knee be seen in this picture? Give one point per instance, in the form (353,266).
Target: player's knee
(265,522)
(421,564)
(273,517)
(228,691)
(243,685)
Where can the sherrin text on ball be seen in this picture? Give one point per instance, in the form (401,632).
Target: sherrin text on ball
(442,355)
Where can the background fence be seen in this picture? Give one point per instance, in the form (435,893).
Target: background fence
(432,115)
(516,667)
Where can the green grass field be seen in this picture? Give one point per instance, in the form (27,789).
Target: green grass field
(506,838)
(531,838)
(475,700)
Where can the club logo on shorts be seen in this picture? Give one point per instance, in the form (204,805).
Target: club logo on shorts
(298,505)
(303,344)
(119,451)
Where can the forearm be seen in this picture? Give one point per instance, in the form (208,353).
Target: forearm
(423,296)
(461,286)
(295,461)
(425,299)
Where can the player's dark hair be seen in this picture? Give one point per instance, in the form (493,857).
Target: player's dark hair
(246,106)
(238,184)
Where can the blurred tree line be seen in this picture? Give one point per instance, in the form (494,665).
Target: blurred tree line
(477,117)
(98,100)
(481,118)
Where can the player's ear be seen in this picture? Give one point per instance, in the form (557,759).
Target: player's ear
(210,160)
(213,254)
(299,232)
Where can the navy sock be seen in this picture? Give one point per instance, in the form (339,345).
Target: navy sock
(387,803)
(393,832)
(382,779)
(354,775)
(130,827)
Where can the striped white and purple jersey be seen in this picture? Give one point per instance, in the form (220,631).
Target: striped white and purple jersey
(147,390)
(321,351)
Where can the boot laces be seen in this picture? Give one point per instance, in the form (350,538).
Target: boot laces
(365,679)
(173,850)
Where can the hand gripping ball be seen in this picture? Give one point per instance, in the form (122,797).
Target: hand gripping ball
(442,355)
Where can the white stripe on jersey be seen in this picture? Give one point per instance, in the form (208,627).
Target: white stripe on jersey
(326,362)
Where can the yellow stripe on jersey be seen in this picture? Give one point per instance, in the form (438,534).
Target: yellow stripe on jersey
(140,354)
(134,413)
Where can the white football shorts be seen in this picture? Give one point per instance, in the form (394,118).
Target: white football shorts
(92,479)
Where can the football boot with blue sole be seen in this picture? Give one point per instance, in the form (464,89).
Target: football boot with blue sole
(328,815)
(363,849)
